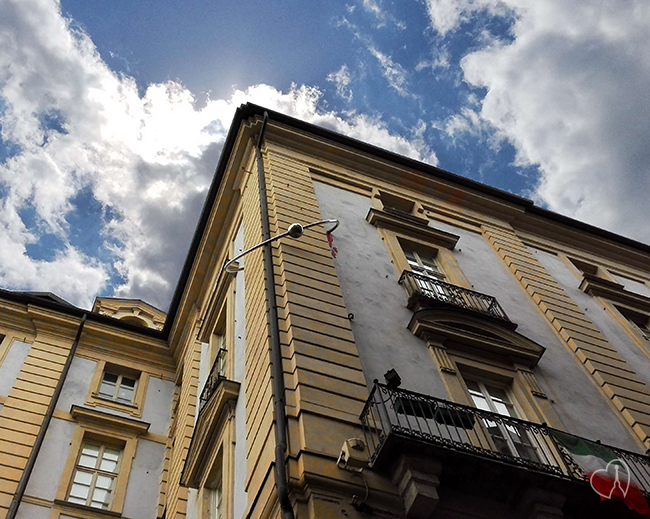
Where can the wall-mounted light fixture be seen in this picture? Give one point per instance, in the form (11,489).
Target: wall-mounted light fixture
(295,231)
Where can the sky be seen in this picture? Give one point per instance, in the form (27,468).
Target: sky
(113,114)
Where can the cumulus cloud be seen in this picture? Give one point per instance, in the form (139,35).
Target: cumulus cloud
(146,158)
(570,91)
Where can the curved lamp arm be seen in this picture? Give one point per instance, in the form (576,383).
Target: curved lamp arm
(295,230)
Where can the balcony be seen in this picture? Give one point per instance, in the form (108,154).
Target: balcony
(395,421)
(217,374)
(425,291)
(217,401)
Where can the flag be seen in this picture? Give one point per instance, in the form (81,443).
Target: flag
(609,476)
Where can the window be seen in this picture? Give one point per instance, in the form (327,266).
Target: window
(423,263)
(95,474)
(218,353)
(640,322)
(510,439)
(213,492)
(117,387)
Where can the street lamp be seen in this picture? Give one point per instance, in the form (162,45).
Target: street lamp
(295,231)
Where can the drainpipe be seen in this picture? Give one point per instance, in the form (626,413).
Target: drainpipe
(24,479)
(281,478)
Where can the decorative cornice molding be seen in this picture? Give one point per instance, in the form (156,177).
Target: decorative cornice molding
(600,287)
(465,332)
(412,226)
(109,421)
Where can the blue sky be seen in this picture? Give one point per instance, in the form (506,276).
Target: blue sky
(113,114)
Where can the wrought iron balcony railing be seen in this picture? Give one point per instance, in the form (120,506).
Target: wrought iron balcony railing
(421,418)
(217,374)
(419,286)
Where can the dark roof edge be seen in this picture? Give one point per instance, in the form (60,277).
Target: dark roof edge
(27,298)
(592,229)
(249,110)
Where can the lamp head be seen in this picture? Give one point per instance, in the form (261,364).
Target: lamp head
(393,380)
(233,267)
(295,230)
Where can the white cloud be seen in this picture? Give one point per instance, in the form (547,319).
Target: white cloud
(571,93)
(394,73)
(341,78)
(381,16)
(149,158)
(447,15)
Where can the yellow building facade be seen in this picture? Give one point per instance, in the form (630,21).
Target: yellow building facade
(438,355)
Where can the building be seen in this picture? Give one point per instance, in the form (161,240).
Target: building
(438,355)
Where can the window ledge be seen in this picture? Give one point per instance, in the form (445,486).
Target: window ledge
(96,512)
(597,286)
(118,423)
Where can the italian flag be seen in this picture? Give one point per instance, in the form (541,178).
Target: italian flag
(609,476)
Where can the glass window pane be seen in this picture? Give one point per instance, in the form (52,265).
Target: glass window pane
(88,456)
(102,496)
(79,491)
(106,389)
(125,395)
(111,454)
(104,482)
(83,478)
(76,500)
(108,466)
(110,378)
(128,382)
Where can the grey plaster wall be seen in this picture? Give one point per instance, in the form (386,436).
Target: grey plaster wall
(157,401)
(370,290)
(29,511)
(77,383)
(12,364)
(45,478)
(633,285)
(576,398)
(144,481)
(240,499)
(612,330)
(192,504)
(157,405)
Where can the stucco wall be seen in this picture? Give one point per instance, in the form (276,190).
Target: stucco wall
(369,285)
(144,481)
(157,401)
(240,499)
(77,383)
(29,511)
(576,398)
(634,355)
(157,405)
(46,475)
(11,365)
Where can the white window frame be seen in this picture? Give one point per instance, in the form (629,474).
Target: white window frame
(515,413)
(95,472)
(118,384)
